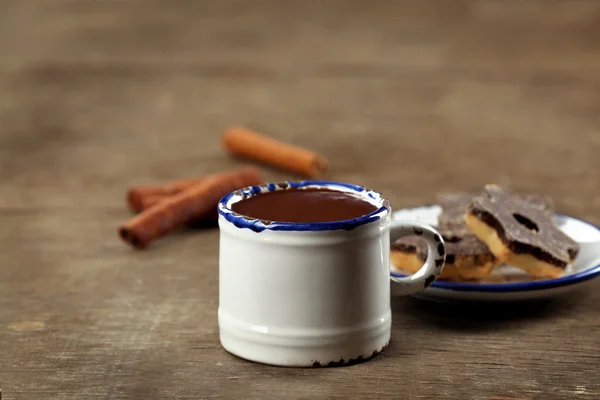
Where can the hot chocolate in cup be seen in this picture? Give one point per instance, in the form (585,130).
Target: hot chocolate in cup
(304,272)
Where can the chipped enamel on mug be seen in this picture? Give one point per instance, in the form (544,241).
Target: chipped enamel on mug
(313,294)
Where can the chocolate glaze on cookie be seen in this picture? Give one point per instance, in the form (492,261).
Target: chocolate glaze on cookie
(523,227)
(454,206)
(459,244)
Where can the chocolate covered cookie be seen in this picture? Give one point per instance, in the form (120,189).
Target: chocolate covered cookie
(454,206)
(467,258)
(520,232)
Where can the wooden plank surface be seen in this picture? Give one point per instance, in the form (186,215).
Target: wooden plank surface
(407,97)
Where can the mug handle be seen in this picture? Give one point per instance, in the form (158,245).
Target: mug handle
(436,256)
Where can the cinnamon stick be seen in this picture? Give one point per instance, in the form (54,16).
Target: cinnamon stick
(148,201)
(192,204)
(136,196)
(246,143)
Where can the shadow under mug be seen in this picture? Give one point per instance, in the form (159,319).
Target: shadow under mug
(313,294)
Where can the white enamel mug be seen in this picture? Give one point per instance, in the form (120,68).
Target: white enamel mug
(312,294)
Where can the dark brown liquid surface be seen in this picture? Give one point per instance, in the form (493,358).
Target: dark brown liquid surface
(304,205)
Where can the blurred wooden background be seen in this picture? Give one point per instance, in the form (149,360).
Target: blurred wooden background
(407,97)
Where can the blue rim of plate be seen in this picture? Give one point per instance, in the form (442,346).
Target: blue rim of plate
(520,286)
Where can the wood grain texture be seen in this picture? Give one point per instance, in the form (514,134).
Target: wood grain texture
(407,97)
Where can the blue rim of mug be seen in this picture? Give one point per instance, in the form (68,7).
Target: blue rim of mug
(567,280)
(257,225)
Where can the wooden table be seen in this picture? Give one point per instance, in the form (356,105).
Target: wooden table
(407,97)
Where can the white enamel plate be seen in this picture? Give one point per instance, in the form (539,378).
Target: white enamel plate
(508,283)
